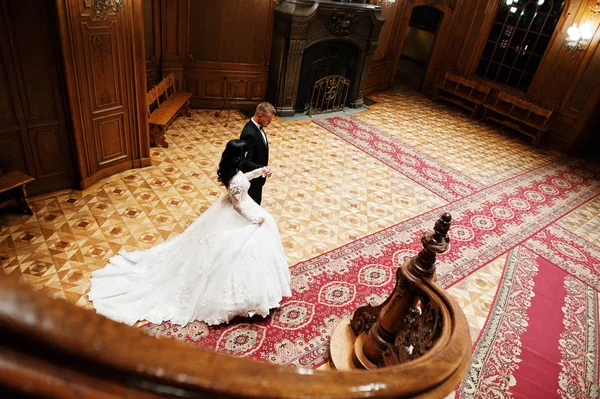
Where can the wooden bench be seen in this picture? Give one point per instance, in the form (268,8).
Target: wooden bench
(164,105)
(12,190)
(465,93)
(518,114)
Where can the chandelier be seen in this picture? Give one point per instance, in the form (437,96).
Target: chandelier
(101,6)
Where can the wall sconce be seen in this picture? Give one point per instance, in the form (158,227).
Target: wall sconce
(101,6)
(578,37)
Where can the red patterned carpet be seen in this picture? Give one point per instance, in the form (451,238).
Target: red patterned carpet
(542,329)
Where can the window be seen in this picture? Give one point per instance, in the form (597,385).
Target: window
(520,33)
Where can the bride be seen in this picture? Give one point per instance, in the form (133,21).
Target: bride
(229,262)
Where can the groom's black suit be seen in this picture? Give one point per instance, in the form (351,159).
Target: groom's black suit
(257,157)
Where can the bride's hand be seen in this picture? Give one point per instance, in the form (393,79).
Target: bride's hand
(260,221)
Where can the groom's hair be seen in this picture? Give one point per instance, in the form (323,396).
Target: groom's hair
(265,108)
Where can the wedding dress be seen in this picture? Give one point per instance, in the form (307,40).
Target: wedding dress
(223,265)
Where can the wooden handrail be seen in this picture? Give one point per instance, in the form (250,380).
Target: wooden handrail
(54,349)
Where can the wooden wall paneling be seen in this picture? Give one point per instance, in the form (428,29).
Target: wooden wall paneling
(37,95)
(545,89)
(586,98)
(383,59)
(175,26)
(476,36)
(13,151)
(586,76)
(140,134)
(389,13)
(209,87)
(231,31)
(105,68)
(468,17)
(382,71)
(442,40)
(229,39)
(152,41)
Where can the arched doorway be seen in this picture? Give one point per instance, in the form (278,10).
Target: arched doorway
(418,43)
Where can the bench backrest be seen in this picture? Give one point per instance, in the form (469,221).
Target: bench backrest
(462,81)
(151,98)
(160,93)
(526,105)
(170,83)
(531,108)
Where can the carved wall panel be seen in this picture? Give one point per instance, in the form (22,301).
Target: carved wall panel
(111,145)
(34,131)
(104,70)
(47,151)
(13,151)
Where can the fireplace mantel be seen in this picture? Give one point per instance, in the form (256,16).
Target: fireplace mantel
(300,24)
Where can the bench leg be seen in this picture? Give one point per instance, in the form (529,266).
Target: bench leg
(538,137)
(157,136)
(186,109)
(161,137)
(22,204)
(153,135)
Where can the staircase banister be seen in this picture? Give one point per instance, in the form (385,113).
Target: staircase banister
(50,346)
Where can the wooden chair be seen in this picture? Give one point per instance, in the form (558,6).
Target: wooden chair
(519,114)
(12,190)
(465,93)
(169,105)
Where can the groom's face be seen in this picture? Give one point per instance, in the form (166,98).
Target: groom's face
(265,119)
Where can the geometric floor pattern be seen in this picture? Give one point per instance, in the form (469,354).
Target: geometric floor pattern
(324,193)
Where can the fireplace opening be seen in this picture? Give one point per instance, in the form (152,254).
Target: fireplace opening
(332,57)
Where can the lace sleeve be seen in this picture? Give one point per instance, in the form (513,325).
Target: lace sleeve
(236,192)
(255,173)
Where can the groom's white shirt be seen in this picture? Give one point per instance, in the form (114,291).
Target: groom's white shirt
(260,130)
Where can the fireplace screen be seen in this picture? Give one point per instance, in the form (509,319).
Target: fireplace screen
(329,95)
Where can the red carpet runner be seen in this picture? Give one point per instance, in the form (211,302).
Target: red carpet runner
(542,290)
(439,178)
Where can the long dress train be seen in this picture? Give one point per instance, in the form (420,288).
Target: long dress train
(223,265)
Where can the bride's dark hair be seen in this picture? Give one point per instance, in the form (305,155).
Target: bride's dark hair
(231,160)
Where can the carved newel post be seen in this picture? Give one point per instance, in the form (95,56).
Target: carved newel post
(384,331)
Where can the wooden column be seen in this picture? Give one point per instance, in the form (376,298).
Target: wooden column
(105,74)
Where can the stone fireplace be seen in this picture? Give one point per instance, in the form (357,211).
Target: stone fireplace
(313,39)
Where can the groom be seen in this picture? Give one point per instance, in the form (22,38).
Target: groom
(257,147)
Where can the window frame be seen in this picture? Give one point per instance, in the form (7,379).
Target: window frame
(487,25)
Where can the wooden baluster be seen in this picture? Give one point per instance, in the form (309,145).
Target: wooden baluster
(382,323)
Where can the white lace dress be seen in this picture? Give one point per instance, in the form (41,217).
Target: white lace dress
(223,265)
